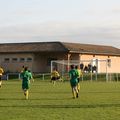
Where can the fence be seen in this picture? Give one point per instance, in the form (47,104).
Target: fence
(84,76)
(12,76)
(42,76)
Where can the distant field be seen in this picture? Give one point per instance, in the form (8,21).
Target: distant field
(97,101)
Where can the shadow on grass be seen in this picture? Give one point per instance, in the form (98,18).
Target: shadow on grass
(104,92)
(40,92)
(63,92)
(64,106)
(34,99)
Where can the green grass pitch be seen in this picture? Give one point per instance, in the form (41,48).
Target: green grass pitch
(97,101)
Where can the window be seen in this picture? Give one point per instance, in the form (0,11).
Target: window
(6,59)
(22,59)
(29,59)
(14,59)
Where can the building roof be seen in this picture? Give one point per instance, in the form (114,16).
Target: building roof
(58,47)
(32,47)
(92,49)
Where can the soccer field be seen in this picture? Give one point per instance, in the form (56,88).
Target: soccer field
(97,101)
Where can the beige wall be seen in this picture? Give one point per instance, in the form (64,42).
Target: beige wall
(15,66)
(115,63)
(102,64)
(39,61)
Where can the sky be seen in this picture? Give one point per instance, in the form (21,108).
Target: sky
(81,21)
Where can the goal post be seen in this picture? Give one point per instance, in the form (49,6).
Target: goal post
(92,68)
(62,66)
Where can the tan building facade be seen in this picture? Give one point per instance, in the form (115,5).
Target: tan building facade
(38,56)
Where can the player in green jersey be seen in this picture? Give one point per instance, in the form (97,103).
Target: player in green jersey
(26,76)
(73,81)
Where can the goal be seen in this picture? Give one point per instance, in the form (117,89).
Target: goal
(93,69)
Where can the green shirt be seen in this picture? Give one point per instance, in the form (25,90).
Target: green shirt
(73,77)
(25,76)
(78,72)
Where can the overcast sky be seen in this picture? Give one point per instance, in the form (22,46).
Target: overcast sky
(82,21)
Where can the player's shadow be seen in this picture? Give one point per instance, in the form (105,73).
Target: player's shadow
(65,106)
(92,92)
(50,99)
(34,99)
(7,99)
(78,106)
(53,92)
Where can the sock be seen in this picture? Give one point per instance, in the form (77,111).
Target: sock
(26,94)
(78,87)
(73,92)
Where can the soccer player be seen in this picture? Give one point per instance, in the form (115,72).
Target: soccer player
(31,76)
(73,81)
(1,73)
(26,77)
(79,74)
(54,76)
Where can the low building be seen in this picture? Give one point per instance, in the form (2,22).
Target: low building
(38,55)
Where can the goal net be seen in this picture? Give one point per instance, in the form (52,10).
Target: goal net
(91,69)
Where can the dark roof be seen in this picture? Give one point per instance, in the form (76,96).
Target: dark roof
(58,47)
(32,47)
(92,49)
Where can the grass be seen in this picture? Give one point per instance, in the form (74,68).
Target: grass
(97,101)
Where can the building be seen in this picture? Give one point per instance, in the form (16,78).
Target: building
(38,55)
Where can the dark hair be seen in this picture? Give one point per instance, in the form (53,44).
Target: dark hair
(26,68)
(76,67)
(54,68)
(72,66)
